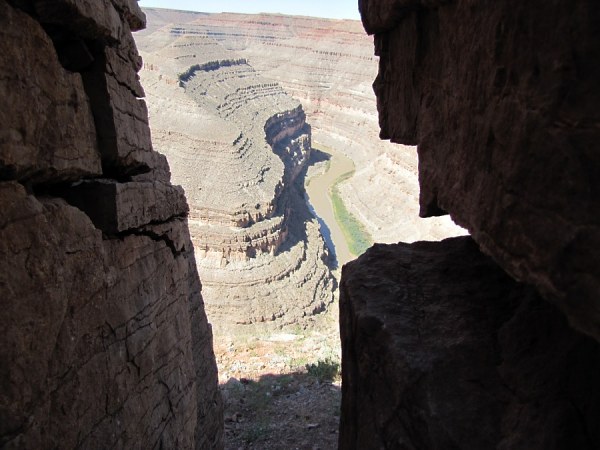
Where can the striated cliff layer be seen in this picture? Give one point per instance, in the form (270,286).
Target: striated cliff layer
(442,348)
(237,143)
(327,65)
(105,342)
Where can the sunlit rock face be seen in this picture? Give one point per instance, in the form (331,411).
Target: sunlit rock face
(105,342)
(237,142)
(329,67)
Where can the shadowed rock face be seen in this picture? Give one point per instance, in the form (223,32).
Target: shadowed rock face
(237,143)
(502,102)
(105,342)
(441,349)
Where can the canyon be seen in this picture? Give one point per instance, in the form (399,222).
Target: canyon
(483,341)
(237,143)
(328,66)
(236,102)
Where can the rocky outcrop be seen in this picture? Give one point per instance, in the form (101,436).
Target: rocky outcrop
(328,66)
(237,142)
(502,102)
(441,349)
(105,339)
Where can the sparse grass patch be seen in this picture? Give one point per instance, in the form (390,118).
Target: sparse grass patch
(259,431)
(357,237)
(299,362)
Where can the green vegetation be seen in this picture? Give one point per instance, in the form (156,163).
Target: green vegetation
(324,370)
(358,239)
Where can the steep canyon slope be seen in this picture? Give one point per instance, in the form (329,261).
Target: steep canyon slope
(327,65)
(237,143)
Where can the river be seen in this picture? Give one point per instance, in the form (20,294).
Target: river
(318,190)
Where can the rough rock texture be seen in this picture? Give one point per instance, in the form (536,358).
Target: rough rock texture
(441,349)
(502,100)
(328,66)
(105,342)
(237,143)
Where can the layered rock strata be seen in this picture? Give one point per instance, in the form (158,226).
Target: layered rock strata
(327,65)
(105,342)
(441,349)
(237,143)
(503,106)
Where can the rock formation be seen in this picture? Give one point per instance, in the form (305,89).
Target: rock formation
(237,143)
(507,131)
(442,348)
(328,66)
(105,342)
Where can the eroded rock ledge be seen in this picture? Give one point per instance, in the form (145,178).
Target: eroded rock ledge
(105,342)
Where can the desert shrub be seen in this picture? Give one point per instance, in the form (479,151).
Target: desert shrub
(324,370)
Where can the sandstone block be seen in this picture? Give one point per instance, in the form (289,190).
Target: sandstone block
(132,13)
(381,15)
(93,358)
(46,125)
(117,207)
(441,349)
(122,125)
(125,71)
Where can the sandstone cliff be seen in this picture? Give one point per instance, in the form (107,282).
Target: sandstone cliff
(237,143)
(442,348)
(105,342)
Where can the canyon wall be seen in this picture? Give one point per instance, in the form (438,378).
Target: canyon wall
(327,65)
(105,342)
(237,143)
(444,347)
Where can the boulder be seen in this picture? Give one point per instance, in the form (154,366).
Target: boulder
(441,349)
